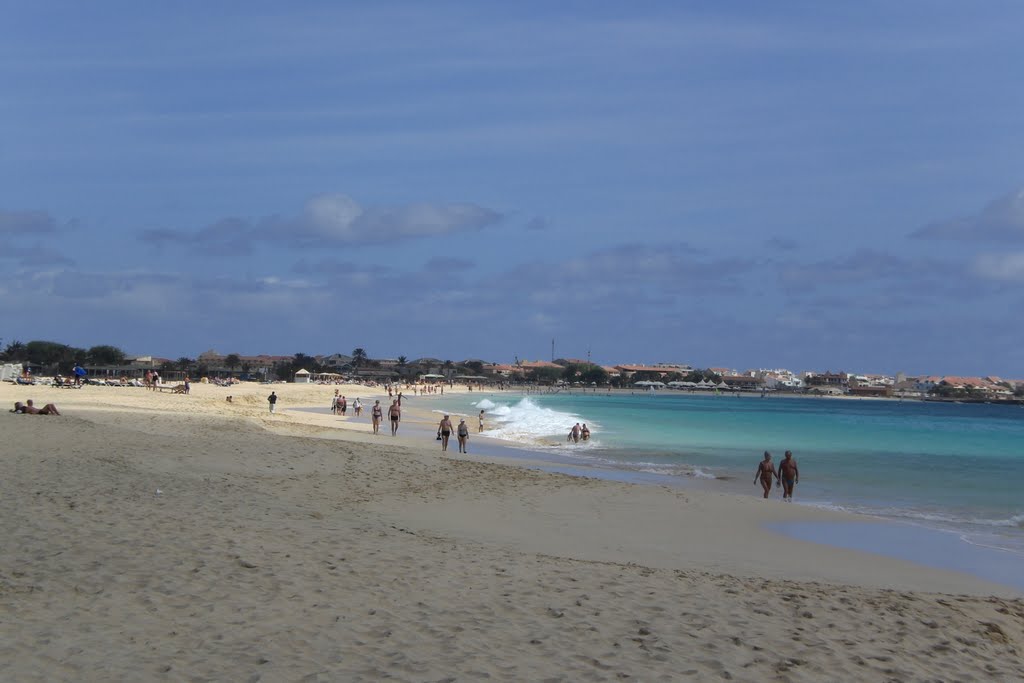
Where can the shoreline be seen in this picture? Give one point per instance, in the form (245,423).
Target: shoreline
(964,544)
(233,544)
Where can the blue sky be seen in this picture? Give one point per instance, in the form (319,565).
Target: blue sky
(807,185)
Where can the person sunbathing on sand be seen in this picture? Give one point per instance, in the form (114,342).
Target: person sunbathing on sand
(30,409)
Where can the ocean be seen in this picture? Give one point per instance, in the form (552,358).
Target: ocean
(949,466)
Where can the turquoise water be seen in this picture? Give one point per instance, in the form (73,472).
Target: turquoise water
(953,466)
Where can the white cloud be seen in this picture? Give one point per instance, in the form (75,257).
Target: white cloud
(333,219)
(1007,267)
(26,222)
(1001,220)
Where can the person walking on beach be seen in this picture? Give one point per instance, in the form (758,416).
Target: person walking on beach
(272,400)
(395,413)
(765,472)
(357,407)
(376,415)
(789,476)
(343,405)
(480,428)
(463,433)
(444,430)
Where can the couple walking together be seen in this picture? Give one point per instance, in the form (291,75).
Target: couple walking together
(787,477)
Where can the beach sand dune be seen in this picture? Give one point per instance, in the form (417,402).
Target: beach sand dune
(187,541)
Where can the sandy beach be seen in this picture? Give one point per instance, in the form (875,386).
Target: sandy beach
(152,536)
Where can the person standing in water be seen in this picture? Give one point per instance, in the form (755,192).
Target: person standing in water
(574,433)
(765,472)
(789,476)
(480,428)
(584,432)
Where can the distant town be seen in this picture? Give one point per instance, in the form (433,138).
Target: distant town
(109,364)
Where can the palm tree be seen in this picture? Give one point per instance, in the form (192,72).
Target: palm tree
(232,361)
(359,357)
(402,360)
(16,351)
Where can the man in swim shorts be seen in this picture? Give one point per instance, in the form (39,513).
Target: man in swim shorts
(444,430)
(395,413)
(789,476)
(765,472)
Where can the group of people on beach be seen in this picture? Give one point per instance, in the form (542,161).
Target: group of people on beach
(444,432)
(339,405)
(787,476)
(579,433)
(377,414)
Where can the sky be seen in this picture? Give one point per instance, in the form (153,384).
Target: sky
(816,186)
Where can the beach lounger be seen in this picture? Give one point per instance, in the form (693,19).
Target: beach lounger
(180,389)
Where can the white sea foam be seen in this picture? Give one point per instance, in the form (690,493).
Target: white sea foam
(934,519)
(528,423)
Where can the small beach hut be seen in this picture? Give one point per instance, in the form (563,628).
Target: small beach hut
(302,376)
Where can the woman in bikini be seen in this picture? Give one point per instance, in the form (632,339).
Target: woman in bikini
(765,472)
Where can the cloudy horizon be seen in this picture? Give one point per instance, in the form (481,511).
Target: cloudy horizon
(745,186)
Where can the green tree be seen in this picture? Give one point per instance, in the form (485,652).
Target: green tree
(475,366)
(232,361)
(359,357)
(53,355)
(402,360)
(105,355)
(570,372)
(594,374)
(185,363)
(282,370)
(544,375)
(16,351)
(706,375)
